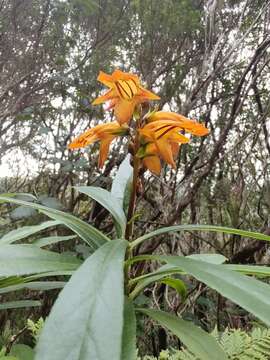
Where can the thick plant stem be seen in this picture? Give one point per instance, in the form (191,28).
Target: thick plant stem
(131,209)
(133,196)
(130,218)
(132,202)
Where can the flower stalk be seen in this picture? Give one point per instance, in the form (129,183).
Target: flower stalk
(133,197)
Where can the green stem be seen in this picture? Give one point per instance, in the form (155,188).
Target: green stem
(132,205)
(133,197)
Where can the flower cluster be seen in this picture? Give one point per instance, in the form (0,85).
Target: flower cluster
(160,133)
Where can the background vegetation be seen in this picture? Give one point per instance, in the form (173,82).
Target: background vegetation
(208,60)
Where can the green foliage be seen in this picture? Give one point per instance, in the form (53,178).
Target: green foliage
(22,352)
(109,202)
(25,231)
(182,49)
(237,344)
(19,304)
(198,341)
(86,232)
(35,328)
(121,185)
(89,310)
(27,259)
(206,228)
(129,332)
(97,306)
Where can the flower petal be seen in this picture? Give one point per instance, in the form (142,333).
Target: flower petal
(165,151)
(120,75)
(86,138)
(105,79)
(177,137)
(123,110)
(192,126)
(147,95)
(109,95)
(175,148)
(104,150)
(153,164)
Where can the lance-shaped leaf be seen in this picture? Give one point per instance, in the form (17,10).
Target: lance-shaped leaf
(22,352)
(27,259)
(25,231)
(129,332)
(93,237)
(19,304)
(211,258)
(108,201)
(176,284)
(160,276)
(257,270)
(122,182)
(34,285)
(86,321)
(217,229)
(201,344)
(253,295)
(52,240)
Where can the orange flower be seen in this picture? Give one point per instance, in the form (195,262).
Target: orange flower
(105,133)
(190,126)
(162,136)
(125,92)
(151,159)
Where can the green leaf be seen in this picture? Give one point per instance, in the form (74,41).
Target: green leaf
(108,201)
(49,274)
(22,212)
(160,273)
(22,352)
(11,280)
(147,279)
(249,293)
(201,344)
(258,270)
(218,229)
(20,196)
(166,270)
(211,258)
(122,180)
(26,231)
(129,332)
(19,304)
(89,309)
(26,259)
(52,240)
(93,237)
(34,285)
(176,284)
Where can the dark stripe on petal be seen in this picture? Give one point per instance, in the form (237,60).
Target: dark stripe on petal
(119,89)
(161,127)
(171,127)
(136,86)
(132,93)
(122,90)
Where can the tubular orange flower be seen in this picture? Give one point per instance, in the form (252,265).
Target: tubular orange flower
(162,136)
(125,92)
(191,126)
(105,133)
(151,159)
